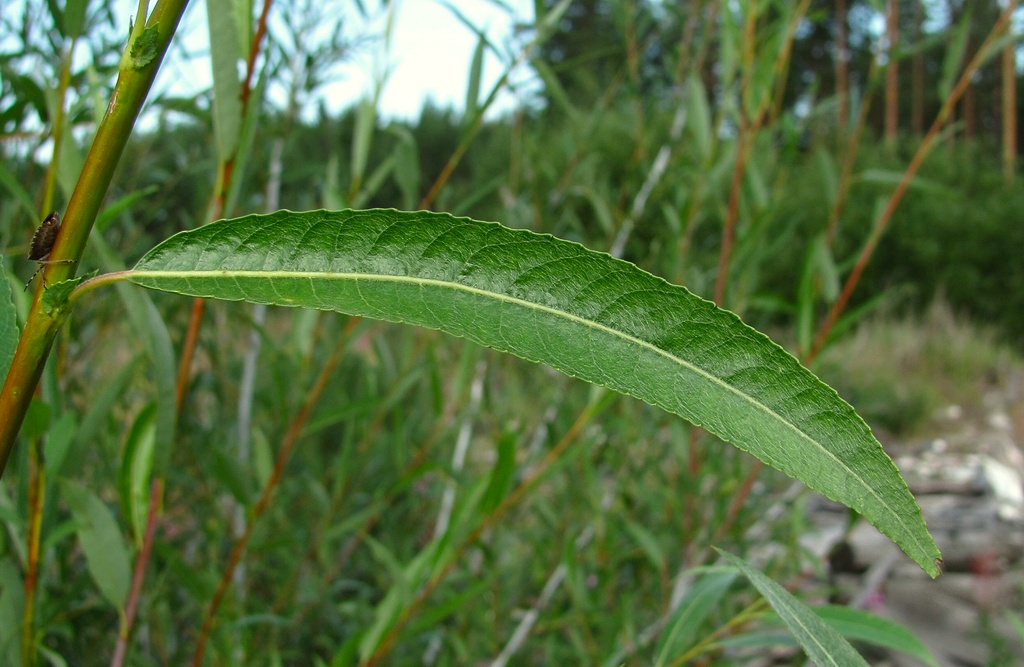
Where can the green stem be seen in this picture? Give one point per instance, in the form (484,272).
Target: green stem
(97,281)
(133,83)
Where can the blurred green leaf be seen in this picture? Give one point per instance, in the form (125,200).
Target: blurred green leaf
(822,644)
(600,205)
(37,419)
(136,469)
(693,609)
(553,87)
(500,478)
(262,458)
(893,178)
(476,70)
(398,596)
(16,191)
(242,11)
(105,396)
(439,613)
(366,123)
(407,166)
(58,443)
(862,625)
(648,543)
(100,538)
(150,328)
(12,604)
(1017,623)
(9,332)
(254,116)
(828,172)
(953,61)
(348,652)
(74,17)
(699,116)
(230,473)
(820,279)
(110,213)
(225,54)
(55,659)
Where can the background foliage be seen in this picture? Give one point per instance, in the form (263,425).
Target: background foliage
(431,492)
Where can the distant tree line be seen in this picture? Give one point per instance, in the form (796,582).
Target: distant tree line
(605,43)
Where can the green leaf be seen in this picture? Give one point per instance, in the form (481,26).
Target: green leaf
(12,604)
(827,171)
(55,297)
(698,604)
(145,47)
(58,443)
(476,70)
(9,181)
(108,215)
(150,328)
(543,299)
(136,470)
(648,543)
(230,474)
(101,541)
(74,17)
(241,10)
(867,627)
(823,645)
(362,138)
(894,178)
(955,52)
(396,599)
(553,88)
(37,419)
(699,116)
(500,479)
(1017,623)
(407,164)
(434,617)
(103,397)
(862,626)
(9,332)
(227,90)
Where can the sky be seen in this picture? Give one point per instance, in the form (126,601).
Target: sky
(428,55)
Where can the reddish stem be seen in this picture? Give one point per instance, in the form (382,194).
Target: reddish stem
(188,351)
(729,232)
(156,492)
(254,50)
(36,495)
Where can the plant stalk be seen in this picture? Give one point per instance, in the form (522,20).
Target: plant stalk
(130,91)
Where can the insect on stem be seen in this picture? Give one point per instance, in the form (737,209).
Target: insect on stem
(42,244)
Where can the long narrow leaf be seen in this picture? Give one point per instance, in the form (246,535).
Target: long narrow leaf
(9,331)
(100,538)
(224,54)
(692,611)
(584,313)
(823,645)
